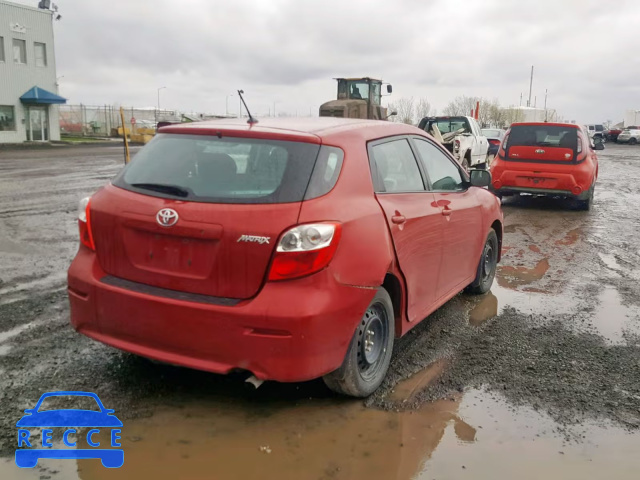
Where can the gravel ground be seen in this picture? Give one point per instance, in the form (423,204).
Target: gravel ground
(559,332)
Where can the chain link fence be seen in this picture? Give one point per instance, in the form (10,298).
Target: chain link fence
(104,121)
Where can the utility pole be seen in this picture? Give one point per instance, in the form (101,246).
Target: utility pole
(158,109)
(545,104)
(530,87)
(520,99)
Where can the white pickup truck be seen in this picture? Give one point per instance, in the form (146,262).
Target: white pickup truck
(461,136)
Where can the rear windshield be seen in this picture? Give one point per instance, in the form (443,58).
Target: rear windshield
(491,133)
(451,124)
(543,136)
(230,170)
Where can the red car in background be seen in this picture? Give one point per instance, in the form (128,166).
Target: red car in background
(555,159)
(290,249)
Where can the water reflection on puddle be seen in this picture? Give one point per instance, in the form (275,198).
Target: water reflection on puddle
(475,435)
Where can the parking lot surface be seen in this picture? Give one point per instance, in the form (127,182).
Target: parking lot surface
(539,378)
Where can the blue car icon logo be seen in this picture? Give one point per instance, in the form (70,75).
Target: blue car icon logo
(27,455)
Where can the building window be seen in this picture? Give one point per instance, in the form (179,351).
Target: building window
(41,54)
(2,49)
(19,51)
(7,118)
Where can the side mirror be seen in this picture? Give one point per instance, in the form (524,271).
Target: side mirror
(389,89)
(480,178)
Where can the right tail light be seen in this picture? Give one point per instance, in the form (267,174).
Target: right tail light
(84,223)
(305,249)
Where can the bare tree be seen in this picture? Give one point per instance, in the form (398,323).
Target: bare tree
(512,115)
(423,109)
(461,105)
(405,108)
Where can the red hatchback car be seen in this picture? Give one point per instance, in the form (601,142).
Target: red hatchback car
(556,159)
(291,249)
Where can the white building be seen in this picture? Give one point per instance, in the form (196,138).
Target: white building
(28,90)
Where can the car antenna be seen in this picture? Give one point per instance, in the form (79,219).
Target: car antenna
(252,119)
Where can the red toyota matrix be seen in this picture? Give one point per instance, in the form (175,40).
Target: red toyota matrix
(290,249)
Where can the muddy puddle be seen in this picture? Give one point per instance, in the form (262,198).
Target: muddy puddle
(474,435)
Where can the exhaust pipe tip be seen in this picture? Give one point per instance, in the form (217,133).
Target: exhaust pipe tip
(256,382)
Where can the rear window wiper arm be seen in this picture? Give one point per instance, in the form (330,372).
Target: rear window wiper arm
(163,188)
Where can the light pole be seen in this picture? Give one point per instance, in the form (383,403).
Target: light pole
(226,104)
(158,109)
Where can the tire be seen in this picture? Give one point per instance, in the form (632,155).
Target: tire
(362,371)
(466,164)
(487,266)
(586,204)
(632,141)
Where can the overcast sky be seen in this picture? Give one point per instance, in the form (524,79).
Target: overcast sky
(585,52)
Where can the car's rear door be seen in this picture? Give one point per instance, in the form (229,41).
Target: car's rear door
(461,210)
(414,219)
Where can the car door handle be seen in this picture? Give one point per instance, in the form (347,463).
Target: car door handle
(398,219)
(446,211)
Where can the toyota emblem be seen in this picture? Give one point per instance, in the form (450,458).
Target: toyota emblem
(167,217)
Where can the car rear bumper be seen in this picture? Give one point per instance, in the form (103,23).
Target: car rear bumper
(291,331)
(542,179)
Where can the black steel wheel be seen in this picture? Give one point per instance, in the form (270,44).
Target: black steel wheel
(487,266)
(367,360)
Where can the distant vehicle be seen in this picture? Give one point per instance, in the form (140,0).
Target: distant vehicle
(291,249)
(357,98)
(494,137)
(629,135)
(611,135)
(555,159)
(461,136)
(596,131)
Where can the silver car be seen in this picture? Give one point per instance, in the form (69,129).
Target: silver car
(630,136)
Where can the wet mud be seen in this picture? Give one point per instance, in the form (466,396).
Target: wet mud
(538,378)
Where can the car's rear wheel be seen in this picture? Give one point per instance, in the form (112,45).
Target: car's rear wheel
(632,141)
(367,360)
(487,266)
(586,204)
(466,164)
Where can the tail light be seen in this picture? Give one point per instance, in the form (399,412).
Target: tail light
(502,152)
(456,145)
(581,155)
(304,250)
(494,141)
(84,223)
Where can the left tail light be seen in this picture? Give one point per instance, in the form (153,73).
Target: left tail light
(456,145)
(84,223)
(304,250)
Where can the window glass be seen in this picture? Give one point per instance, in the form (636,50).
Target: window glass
(41,54)
(19,51)
(451,124)
(221,170)
(359,90)
(444,175)
(326,172)
(487,132)
(396,167)
(2,57)
(543,136)
(7,118)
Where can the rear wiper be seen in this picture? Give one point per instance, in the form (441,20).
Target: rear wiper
(163,188)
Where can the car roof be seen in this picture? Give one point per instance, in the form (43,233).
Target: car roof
(309,129)
(545,124)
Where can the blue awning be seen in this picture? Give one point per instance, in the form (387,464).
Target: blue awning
(42,96)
